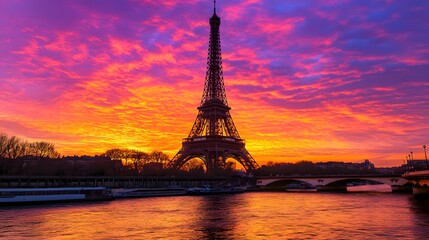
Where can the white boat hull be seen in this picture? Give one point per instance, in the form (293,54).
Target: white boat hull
(10,196)
(42,198)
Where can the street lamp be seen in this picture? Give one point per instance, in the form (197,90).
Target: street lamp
(411,162)
(426,157)
(408,163)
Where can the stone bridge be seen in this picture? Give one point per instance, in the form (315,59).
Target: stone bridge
(332,183)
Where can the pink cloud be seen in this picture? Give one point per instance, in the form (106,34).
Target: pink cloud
(330,80)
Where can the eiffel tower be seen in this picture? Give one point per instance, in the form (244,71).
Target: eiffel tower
(214,137)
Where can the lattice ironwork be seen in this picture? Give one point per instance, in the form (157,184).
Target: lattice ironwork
(214,137)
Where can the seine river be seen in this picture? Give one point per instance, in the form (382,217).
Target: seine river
(255,215)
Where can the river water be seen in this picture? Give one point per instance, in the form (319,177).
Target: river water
(254,215)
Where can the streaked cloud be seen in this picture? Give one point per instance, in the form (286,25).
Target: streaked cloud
(306,80)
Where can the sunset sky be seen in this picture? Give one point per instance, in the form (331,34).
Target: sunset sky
(306,80)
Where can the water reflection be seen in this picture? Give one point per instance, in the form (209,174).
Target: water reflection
(217,219)
(241,216)
(420,207)
(41,221)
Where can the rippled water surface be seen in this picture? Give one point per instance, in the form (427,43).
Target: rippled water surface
(241,216)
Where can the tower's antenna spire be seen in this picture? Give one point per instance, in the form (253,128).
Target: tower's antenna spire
(214,4)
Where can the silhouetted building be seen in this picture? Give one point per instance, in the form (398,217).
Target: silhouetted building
(365,165)
(417,164)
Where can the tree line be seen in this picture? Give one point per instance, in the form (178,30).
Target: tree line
(20,157)
(138,161)
(14,147)
(154,163)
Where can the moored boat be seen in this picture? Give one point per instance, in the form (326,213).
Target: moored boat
(148,192)
(206,190)
(11,196)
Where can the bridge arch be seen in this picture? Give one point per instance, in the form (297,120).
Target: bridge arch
(345,181)
(286,182)
(237,156)
(335,182)
(194,155)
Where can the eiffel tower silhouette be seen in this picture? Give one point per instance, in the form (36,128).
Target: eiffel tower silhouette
(214,137)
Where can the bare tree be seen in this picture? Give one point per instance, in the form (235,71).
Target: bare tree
(3,144)
(13,147)
(114,154)
(43,150)
(139,159)
(159,157)
(127,154)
